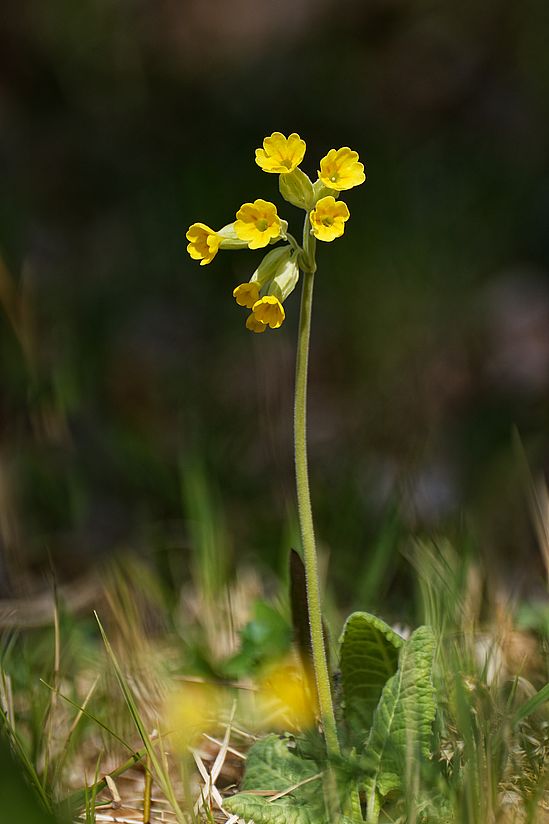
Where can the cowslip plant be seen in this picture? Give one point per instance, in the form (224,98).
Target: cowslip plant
(388,706)
(257,225)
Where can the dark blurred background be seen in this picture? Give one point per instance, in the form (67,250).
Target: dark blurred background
(128,379)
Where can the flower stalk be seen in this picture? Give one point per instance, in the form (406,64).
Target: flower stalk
(320,662)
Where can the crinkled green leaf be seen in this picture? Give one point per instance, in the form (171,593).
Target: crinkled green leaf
(286,810)
(402,723)
(369,653)
(272,767)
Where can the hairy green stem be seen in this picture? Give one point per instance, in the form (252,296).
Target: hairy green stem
(306,519)
(320,663)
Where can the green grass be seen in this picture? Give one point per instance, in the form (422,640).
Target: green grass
(83,698)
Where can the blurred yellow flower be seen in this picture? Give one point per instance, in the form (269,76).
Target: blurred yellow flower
(328,218)
(204,243)
(269,311)
(280,154)
(191,710)
(246,294)
(257,223)
(255,325)
(340,169)
(286,697)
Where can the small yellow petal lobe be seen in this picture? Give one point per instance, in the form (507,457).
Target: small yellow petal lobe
(255,325)
(246,294)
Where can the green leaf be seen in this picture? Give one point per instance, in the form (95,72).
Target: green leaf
(402,724)
(271,767)
(369,651)
(532,705)
(300,615)
(285,810)
(300,610)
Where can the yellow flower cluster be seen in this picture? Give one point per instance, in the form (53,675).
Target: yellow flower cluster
(258,225)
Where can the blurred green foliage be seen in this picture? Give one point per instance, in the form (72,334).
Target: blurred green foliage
(264,639)
(19,802)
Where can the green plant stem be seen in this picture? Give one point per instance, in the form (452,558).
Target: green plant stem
(320,663)
(374,807)
(306,519)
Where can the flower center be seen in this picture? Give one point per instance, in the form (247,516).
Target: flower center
(262,224)
(333,178)
(327,221)
(286,163)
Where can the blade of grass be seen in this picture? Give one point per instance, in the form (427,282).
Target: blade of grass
(6,697)
(90,800)
(531,705)
(50,711)
(80,714)
(161,773)
(89,715)
(147,793)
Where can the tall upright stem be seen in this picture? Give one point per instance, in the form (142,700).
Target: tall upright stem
(306,516)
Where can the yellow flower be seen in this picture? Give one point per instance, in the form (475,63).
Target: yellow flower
(340,169)
(257,223)
(328,218)
(280,154)
(204,243)
(246,294)
(191,711)
(286,697)
(255,325)
(269,310)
